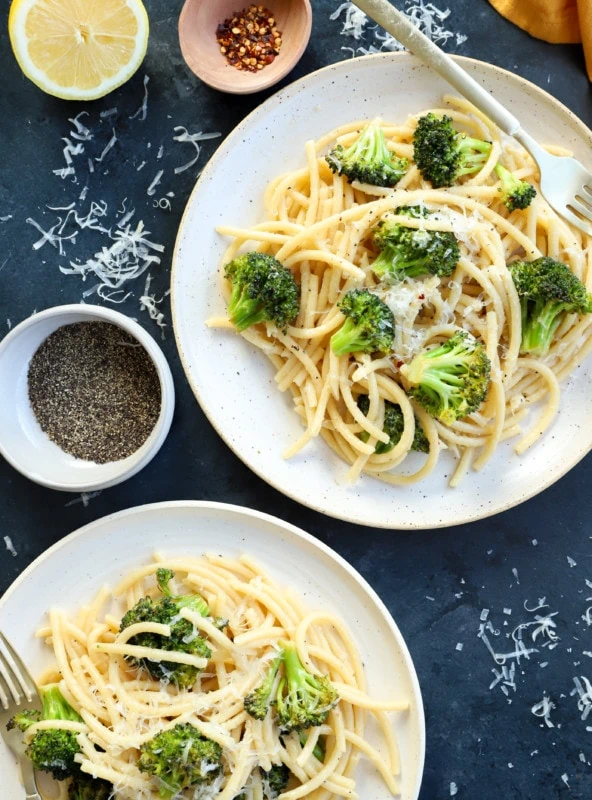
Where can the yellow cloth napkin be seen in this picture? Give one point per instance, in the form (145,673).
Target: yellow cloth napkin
(565,21)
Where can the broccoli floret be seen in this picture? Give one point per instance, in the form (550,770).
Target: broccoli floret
(275,780)
(258,701)
(515,193)
(51,750)
(393,426)
(369,324)
(368,159)
(303,700)
(180,758)
(84,787)
(443,154)
(451,380)
(548,290)
(409,252)
(182,639)
(318,750)
(262,291)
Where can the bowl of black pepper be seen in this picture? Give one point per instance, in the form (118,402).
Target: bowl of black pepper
(87,398)
(241,50)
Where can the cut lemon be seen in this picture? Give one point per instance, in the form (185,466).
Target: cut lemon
(78,49)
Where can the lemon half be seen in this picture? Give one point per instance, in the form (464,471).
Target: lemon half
(78,49)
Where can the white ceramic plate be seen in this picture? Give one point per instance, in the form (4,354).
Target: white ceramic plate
(69,573)
(233,382)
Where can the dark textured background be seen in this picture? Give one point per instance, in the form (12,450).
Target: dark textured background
(435,583)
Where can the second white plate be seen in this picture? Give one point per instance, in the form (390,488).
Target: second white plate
(233,382)
(70,573)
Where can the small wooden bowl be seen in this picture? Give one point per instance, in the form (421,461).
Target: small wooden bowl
(197,35)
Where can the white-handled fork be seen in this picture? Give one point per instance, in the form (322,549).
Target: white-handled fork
(18,692)
(565,183)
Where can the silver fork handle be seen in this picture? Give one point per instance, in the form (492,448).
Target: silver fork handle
(29,782)
(397,24)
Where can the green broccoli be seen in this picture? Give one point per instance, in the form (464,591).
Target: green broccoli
(443,154)
(393,426)
(319,748)
(275,780)
(303,700)
(451,380)
(548,290)
(258,701)
(369,324)
(515,193)
(84,787)
(409,252)
(262,291)
(368,159)
(180,758)
(183,638)
(51,750)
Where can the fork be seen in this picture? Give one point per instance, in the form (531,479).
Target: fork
(18,692)
(565,183)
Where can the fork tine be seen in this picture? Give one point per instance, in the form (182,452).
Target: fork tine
(8,683)
(4,693)
(577,221)
(587,190)
(585,202)
(582,207)
(19,671)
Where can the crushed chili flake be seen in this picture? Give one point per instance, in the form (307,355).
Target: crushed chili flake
(249,38)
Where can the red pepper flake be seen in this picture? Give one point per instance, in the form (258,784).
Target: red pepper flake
(400,364)
(421,296)
(249,38)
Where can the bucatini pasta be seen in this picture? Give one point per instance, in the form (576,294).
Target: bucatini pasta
(123,708)
(318,225)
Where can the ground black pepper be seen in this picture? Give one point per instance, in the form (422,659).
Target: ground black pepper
(95,391)
(249,38)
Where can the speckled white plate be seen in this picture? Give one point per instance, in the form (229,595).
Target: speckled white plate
(234,383)
(73,570)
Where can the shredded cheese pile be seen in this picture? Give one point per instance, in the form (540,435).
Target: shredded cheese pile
(427,17)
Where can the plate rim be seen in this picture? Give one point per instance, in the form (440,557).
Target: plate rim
(566,465)
(201,506)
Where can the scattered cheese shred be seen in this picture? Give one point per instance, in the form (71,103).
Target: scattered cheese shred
(84,498)
(151,190)
(149,303)
(427,17)
(543,710)
(110,144)
(10,546)
(142,112)
(194,139)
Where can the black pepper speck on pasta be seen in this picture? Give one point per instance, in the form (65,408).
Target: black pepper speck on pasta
(94,391)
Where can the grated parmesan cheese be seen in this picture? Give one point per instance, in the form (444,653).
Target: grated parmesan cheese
(142,112)
(149,303)
(128,257)
(583,688)
(84,498)
(194,139)
(10,546)
(426,16)
(151,190)
(543,710)
(110,144)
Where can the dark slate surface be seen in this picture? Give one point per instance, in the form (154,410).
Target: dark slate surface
(436,584)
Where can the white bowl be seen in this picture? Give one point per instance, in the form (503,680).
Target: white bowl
(22,442)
